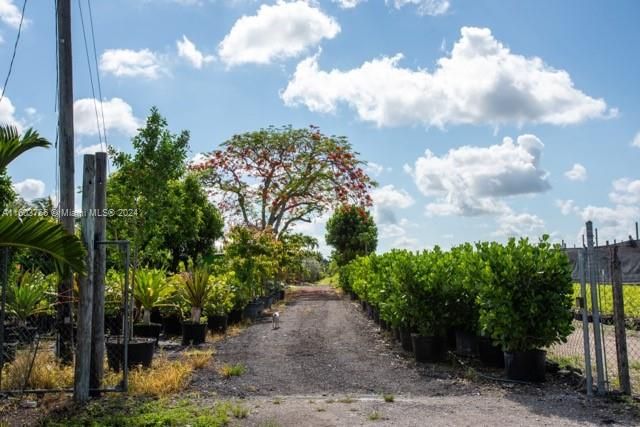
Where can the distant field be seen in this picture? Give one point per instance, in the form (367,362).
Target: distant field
(631,293)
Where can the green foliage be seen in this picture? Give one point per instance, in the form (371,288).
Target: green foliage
(519,294)
(222,297)
(528,304)
(352,232)
(143,413)
(28,297)
(631,293)
(276,177)
(113,288)
(150,289)
(172,219)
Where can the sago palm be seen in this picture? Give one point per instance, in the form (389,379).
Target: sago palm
(34,232)
(196,290)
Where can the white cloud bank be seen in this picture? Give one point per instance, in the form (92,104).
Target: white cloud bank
(279,31)
(7,113)
(471,181)
(118,116)
(30,189)
(131,63)
(10,14)
(188,50)
(480,82)
(576,173)
(425,7)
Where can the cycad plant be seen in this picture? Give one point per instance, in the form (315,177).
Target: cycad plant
(196,290)
(150,289)
(27,298)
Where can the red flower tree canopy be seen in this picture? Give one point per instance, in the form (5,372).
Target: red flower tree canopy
(276,177)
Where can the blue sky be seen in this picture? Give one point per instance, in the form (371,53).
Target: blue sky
(397,78)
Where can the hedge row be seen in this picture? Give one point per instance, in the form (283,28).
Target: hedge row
(519,293)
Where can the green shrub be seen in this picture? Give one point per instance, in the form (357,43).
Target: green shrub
(528,304)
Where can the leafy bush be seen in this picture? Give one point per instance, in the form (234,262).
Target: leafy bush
(150,289)
(221,297)
(528,304)
(28,297)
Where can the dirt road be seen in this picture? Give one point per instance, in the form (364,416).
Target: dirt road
(329,365)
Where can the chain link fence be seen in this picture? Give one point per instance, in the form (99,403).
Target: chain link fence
(599,275)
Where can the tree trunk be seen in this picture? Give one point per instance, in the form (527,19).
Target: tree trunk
(195,314)
(146,317)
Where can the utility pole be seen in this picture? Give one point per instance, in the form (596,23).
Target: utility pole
(65,162)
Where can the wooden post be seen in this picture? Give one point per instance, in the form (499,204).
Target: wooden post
(66,155)
(85,283)
(99,271)
(595,310)
(618,317)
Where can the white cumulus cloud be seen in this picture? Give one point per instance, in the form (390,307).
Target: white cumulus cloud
(425,7)
(567,206)
(188,50)
(90,149)
(636,140)
(30,189)
(577,173)
(389,196)
(131,63)
(480,82)
(471,181)
(10,14)
(279,31)
(118,116)
(513,224)
(7,113)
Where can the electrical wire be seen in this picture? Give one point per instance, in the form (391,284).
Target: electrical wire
(93,91)
(95,60)
(15,49)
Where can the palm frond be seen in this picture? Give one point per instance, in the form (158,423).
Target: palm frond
(12,144)
(43,235)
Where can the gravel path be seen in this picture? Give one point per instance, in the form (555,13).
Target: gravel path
(328,353)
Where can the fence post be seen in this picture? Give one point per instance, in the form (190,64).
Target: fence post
(4,266)
(595,311)
(85,284)
(585,320)
(100,255)
(618,317)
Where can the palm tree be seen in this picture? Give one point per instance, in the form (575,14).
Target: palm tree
(35,232)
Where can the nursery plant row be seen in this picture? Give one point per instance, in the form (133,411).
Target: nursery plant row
(505,303)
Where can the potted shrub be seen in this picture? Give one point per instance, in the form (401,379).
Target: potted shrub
(528,305)
(220,302)
(430,305)
(195,291)
(172,312)
(139,351)
(27,298)
(470,274)
(113,293)
(150,290)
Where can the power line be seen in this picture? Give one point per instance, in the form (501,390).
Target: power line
(95,59)
(93,91)
(15,49)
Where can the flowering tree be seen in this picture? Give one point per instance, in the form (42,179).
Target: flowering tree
(276,177)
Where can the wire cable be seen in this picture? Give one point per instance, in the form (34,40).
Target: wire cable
(15,49)
(93,91)
(95,60)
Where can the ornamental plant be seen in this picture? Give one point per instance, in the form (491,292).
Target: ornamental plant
(196,290)
(527,306)
(221,297)
(28,297)
(150,290)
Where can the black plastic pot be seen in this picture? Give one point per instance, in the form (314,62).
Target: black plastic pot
(525,365)
(218,323)
(193,333)
(489,354)
(376,315)
(429,349)
(147,330)
(396,333)
(252,310)
(44,323)
(140,352)
(281,294)
(466,343)
(352,296)
(363,305)
(450,340)
(266,302)
(9,352)
(405,339)
(235,316)
(113,324)
(172,324)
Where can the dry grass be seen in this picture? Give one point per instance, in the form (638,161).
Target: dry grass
(198,359)
(232,331)
(46,372)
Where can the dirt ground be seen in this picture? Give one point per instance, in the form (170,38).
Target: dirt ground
(329,365)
